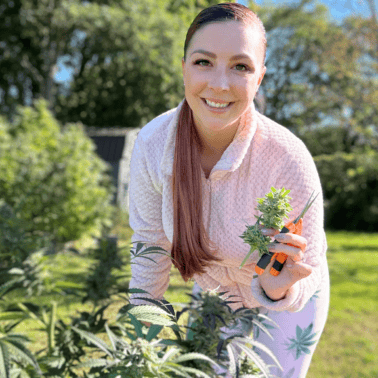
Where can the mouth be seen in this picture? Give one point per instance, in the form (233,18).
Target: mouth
(217,106)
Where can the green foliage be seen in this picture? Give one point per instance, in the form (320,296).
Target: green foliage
(14,354)
(30,274)
(130,53)
(208,313)
(119,51)
(140,358)
(275,208)
(53,177)
(350,184)
(101,282)
(318,73)
(16,244)
(253,236)
(146,357)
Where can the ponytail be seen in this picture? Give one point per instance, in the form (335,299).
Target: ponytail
(192,249)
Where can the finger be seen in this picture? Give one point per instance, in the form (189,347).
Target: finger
(289,238)
(268,231)
(294,252)
(299,270)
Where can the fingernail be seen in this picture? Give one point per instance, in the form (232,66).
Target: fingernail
(279,237)
(289,265)
(264,231)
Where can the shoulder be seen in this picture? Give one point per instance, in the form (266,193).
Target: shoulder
(280,141)
(157,128)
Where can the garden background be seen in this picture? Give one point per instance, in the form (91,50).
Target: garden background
(58,227)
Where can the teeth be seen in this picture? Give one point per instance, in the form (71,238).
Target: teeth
(216,105)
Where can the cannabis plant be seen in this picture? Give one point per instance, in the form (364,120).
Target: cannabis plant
(222,333)
(14,354)
(274,208)
(139,358)
(101,282)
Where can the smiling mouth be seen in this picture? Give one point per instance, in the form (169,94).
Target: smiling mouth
(216,105)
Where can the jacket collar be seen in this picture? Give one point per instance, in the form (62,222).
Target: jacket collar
(232,156)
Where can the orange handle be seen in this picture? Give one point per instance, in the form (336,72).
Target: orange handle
(282,257)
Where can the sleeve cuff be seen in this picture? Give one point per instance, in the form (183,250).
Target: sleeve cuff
(283,304)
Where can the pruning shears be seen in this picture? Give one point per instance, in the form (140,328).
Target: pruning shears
(266,258)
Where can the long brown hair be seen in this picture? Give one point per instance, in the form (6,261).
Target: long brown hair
(192,250)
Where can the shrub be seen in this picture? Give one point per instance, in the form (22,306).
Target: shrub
(16,244)
(350,183)
(64,187)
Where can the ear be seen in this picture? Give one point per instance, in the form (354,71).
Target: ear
(261,76)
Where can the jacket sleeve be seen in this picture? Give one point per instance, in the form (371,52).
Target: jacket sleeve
(299,173)
(145,217)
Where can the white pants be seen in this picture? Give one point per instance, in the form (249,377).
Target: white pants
(295,341)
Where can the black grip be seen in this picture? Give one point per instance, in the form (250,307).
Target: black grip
(265,260)
(277,266)
(267,257)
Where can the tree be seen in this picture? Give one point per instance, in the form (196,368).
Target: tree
(125,55)
(313,78)
(130,68)
(33,36)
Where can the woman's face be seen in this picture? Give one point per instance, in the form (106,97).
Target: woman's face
(216,71)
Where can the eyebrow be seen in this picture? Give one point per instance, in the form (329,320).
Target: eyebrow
(212,55)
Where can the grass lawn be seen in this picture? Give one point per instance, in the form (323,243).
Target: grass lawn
(348,347)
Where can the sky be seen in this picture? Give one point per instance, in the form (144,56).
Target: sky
(339,9)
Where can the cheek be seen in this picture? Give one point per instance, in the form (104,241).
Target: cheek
(251,88)
(196,82)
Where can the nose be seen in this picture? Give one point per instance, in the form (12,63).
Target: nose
(219,80)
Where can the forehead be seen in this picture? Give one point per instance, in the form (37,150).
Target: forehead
(228,38)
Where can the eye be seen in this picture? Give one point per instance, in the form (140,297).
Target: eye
(242,65)
(198,62)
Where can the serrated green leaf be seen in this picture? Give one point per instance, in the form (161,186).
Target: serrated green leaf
(193,356)
(242,341)
(169,354)
(137,324)
(198,373)
(4,361)
(155,319)
(93,339)
(153,331)
(147,309)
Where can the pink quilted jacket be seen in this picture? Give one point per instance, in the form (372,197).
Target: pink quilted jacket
(262,154)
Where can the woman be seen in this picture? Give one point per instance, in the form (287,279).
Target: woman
(196,172)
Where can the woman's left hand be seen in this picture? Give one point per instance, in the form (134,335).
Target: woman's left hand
(293,269)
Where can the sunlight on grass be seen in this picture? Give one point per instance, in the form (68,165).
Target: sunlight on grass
(348,346)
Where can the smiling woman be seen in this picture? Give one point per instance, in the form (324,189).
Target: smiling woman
(196,172)
(221,84)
